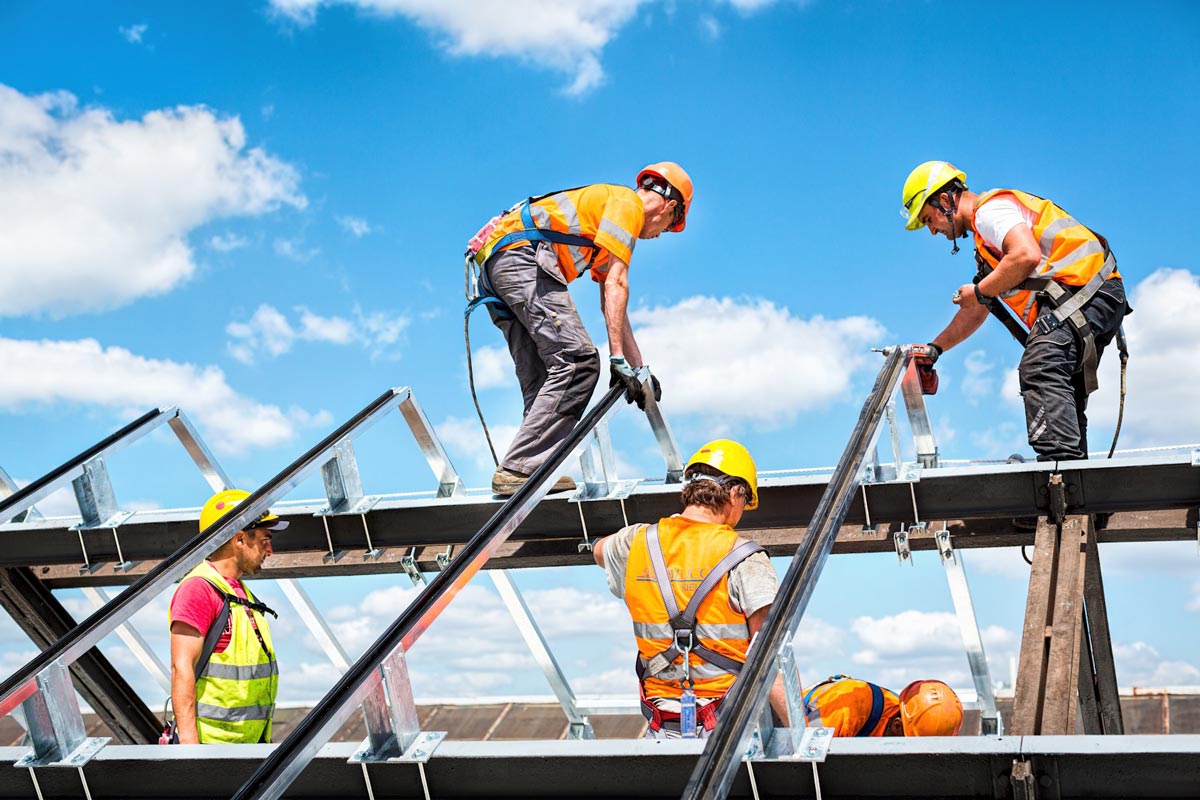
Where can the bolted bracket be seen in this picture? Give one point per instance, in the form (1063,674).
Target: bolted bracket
(54,723)
(900,538)
(814,745)
(409,564)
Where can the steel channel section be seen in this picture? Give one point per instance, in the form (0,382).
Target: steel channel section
(580,728)
(449,484)
(289,759)
(343,484)
(968,626)
(315,623)
(663,435)
(22,683)
(214,475)
(722,756)
(918,417)
(134,641)
(41,488)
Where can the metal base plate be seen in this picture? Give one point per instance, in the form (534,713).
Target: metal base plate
(421,750)
(814,745)
(361,506)
(112,522)
(76,758)
(620,490)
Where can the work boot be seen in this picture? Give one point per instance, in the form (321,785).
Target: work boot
(505,482)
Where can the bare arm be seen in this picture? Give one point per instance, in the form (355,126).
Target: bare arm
(777,695)
(965,322)
(186,644)
(614,302)
(598,550)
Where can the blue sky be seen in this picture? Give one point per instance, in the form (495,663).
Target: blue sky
(257,211)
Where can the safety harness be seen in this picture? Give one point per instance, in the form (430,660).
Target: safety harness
(169,734)
(876,703)
(478,287)
(1067,309)
(683,627)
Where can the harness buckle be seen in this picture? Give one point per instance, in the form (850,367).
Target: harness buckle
(1047,323)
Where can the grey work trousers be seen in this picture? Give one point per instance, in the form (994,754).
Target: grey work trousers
(557,364)
(1054,394)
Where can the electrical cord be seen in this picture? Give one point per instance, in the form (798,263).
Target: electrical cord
(474,397)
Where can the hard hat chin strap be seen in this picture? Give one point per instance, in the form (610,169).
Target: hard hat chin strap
(954,192)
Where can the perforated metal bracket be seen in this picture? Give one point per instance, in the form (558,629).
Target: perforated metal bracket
(814,745)
(408,563)
(903,552)
(420,751)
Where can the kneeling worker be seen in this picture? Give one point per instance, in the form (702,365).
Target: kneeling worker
(224,676)
(695,562)
(857,708)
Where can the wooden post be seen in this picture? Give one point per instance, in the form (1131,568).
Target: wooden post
(1065,673)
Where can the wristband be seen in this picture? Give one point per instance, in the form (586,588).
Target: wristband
(982,298)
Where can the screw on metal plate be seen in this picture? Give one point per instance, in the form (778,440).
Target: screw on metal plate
(902,549)
(814,744)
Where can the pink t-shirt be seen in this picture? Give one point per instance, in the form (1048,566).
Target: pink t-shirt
(197,603)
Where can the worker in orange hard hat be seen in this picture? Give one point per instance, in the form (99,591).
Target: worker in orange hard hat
(697,593)
(857,708)
(522,262)
(1051,280)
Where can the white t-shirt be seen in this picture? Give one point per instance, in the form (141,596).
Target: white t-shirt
(995,218)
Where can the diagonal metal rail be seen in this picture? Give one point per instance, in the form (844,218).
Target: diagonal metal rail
(722,756)
(23,683)
(294,753)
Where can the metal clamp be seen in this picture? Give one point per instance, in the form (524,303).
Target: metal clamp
(443,558)
(393,731)
(903,552)
(408,563)
(55,724)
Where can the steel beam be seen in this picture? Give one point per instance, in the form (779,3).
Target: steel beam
(988,497)
(44,619)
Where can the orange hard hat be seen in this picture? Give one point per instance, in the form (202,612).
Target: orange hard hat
(930,708)
(678,180)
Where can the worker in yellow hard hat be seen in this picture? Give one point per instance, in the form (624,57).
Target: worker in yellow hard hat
(697,593)
(1051,280)
(224,677)
(526,257)
(853,707)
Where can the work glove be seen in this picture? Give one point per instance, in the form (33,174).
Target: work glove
(622,373)
(925,356)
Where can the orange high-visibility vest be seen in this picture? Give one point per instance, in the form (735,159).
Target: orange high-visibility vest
(1071,252)
(690,550)
(847,706)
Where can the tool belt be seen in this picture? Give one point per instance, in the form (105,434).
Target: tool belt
(1067,309)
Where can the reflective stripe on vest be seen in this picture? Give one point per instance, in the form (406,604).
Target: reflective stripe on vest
(235,695)
(690,551)
(538,225)
(1071,253)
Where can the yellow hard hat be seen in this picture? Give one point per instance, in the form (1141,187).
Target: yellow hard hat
(734,460)
(223,502)
(930,708)
(922,184)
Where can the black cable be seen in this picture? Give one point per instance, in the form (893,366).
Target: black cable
(1123,349)
(1027,559)
(474,397)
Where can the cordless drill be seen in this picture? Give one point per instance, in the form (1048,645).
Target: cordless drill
(924,356)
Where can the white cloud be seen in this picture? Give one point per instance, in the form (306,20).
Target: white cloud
(566,36)
(710,26)
(978,383)
(465,436)
(294,250)
(923,633)
(1161,408)
(493,368)
(227,242)
(783,365)
(356,226)
(1139,664)
(750,6)
(97,210)
(133,33)
(83,372)
(269,331)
